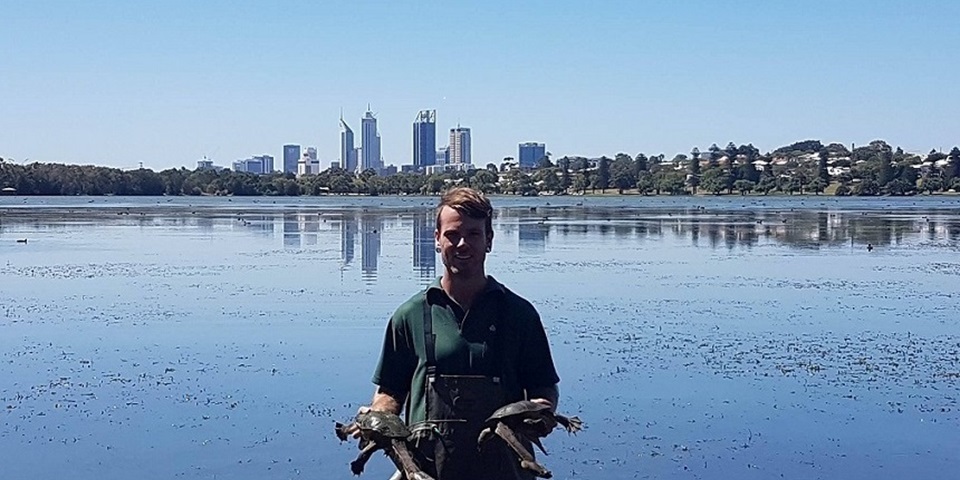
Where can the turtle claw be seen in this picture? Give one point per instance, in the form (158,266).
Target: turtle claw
(572,424)
(341,431)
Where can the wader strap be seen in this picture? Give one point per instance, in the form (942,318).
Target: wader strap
(430,339)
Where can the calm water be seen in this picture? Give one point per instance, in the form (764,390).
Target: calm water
(697,337)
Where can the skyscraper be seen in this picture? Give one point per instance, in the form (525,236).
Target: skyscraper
(443,154)
(348,154)
(291,155)
(531,153)
(369,142)
(459,146)
(425,139)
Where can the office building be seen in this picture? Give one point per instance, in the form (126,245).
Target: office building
(425,139)
(348,154)
(307,165)
(259,165)
(459,146)
(291,155)
(443,155)
(369,142)
(531,153)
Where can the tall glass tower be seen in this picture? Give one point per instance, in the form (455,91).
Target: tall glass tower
(369,142)
(291,155)
(348,154)
(425,139)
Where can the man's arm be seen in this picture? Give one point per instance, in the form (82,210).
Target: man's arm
(385,400)
(549,396)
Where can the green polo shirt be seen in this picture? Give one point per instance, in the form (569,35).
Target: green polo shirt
(501,335)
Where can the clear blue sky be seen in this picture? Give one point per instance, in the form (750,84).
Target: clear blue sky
(116,83)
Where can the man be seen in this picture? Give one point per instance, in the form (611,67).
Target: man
(462,348)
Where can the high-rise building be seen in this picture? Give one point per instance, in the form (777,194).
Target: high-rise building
(531,153)
(443,155)
(459,146)
(291,155)
(348,154)
(260,165)
(308,166)
(369,142)
(425,139)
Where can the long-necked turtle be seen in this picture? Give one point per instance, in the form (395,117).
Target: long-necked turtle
(526,420)
(386,431)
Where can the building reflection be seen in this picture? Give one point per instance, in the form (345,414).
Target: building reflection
(424,253)
(532,237)
(291,231)
(348,237)
(300,229)
(805,229)
(371,227)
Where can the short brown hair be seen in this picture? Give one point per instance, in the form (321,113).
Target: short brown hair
(469,202)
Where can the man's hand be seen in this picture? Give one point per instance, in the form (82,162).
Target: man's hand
(543,401)
(548,396)
(383,401)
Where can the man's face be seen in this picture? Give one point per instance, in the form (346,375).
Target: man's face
(463,242)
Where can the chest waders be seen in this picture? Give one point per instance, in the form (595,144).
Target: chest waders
(456,408)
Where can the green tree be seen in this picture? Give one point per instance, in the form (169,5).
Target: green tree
(646,183)
(602,180)
(672,182)
(931,183)
(622,172)
(767,183)
(822,156)
(744,186)
(952,169)
(817,185)
(714,180)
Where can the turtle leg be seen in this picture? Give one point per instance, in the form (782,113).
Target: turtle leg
(526,458)
(572,424)
(341,431)
(403,459)
(357,465)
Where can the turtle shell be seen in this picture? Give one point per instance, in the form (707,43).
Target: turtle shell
(383,424)
(523,407)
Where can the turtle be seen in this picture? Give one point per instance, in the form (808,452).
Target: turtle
(530,421)
(386,431)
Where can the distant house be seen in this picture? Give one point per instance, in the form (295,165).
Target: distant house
(8,191)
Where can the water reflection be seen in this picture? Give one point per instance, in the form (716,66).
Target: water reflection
(348,236)
(371,227)
(735,229)
(535,229)
(424,253)
(532,237)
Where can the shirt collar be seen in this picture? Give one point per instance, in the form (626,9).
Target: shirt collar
(492,286)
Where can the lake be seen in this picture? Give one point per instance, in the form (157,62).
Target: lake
(697,337)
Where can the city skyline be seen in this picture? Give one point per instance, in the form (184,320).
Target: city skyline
(165,85)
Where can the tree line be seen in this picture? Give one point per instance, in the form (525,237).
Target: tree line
(803,167)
